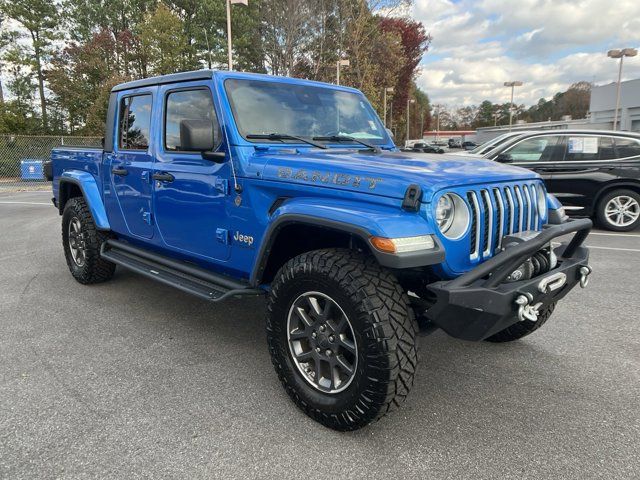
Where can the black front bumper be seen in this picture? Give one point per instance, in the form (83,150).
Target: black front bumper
(478,304)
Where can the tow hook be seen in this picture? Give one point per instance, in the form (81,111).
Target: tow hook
(584,275)
(527,311)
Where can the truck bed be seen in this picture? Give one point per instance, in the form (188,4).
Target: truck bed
(86,159)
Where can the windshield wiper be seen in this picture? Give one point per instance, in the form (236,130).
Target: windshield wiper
(283,136)
(346,138)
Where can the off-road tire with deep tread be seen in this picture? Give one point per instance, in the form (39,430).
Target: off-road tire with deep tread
(383,323)
(522,329)
(95,268)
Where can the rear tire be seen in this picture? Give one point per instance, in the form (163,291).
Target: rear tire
(619,211)
(377,341)
(522,329)
(81,241)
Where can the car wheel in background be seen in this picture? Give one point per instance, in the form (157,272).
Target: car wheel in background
(619,210)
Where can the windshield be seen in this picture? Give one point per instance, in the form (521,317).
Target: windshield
(262,107)
(496,142)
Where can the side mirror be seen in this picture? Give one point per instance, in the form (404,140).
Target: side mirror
(503,158)
(200,136)
(390,133)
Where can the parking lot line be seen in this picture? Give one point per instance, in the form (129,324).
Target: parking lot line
(615,234)
(615,248)
(25,203)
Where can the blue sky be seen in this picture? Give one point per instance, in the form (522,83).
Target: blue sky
(547,44)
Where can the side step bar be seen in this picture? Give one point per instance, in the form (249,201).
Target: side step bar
(181,275)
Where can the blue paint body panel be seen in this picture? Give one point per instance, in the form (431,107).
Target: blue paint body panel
(201,218)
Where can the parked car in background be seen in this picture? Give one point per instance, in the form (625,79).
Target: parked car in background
(468,145)
(426,148)
(489,145)
(594,173)
(454,143)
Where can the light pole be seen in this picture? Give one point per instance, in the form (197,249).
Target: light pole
(343,62)
(409,102)
(625,52)
(229,53)
(386,90)
(512,85)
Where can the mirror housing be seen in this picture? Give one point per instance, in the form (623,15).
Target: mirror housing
(197,136)
(390,133)
(200,136)
(503,158)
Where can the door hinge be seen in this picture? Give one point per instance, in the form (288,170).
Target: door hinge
(222,185)
(222,235)
(147,217)
(146,177)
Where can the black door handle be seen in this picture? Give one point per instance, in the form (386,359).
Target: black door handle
(120,171)
(163,177)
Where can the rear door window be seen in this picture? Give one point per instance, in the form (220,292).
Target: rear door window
(627,147)
(584,148)
(135,121)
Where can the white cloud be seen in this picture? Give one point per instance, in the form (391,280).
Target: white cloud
(548,44)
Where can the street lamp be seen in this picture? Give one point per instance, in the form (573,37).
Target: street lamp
(512,85)
(229,54)
(343,62)
(386,90)
(625,52)
(409,102)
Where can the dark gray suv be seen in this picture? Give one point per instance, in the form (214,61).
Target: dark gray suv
(594,173)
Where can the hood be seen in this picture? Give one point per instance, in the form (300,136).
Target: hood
(387,173)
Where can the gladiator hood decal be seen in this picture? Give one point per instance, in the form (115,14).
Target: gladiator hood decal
(387,173)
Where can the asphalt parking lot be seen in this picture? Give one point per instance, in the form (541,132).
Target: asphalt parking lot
(134,379)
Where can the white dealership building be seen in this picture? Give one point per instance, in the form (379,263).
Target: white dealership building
(603,105)
(600,117)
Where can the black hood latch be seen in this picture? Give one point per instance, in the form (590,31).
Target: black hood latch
(412,198)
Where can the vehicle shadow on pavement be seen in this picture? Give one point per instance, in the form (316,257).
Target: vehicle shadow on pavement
(454,377)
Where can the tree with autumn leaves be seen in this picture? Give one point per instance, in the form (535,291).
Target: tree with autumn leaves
(60,80)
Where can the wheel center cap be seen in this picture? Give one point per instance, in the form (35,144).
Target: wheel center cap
(323,340)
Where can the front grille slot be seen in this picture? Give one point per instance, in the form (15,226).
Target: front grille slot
(488,224)
(500,208)
(474,236)
(500,211)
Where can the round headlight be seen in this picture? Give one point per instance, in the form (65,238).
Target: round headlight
(445,212)
(542,201)
(452,215)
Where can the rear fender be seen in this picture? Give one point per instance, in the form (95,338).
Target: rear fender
(355,218)
(91,193)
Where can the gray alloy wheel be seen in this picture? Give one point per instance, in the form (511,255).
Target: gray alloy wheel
(622,211)
(322,343)
(76,242)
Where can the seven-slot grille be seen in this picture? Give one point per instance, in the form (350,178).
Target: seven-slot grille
(499,211)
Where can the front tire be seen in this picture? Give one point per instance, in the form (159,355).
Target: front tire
(81,241)
(619,211)
(342,337)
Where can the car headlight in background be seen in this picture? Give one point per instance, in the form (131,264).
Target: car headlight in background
(542,201)
(452,215)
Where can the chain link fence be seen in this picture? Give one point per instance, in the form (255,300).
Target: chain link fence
(23,157)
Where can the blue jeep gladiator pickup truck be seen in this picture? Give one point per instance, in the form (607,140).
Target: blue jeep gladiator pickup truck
(225,184)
